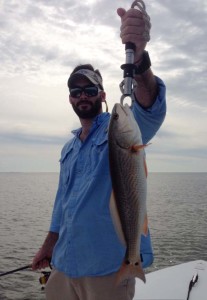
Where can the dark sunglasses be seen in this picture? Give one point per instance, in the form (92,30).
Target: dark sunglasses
(89,91)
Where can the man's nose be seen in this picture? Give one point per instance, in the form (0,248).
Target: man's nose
(83,95)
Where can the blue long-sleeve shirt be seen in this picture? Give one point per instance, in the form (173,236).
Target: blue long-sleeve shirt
(88,244)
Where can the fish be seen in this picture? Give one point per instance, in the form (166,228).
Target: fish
(129,186)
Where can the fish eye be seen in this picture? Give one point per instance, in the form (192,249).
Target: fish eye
(115,116)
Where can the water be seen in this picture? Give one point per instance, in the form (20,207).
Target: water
(177,214)
(26,202)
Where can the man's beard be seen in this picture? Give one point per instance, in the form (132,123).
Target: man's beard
(89,113)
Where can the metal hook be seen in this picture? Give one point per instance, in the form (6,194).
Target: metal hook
(140,4)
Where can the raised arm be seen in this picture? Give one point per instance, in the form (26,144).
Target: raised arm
(135,28)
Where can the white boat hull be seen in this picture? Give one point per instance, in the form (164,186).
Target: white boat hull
(172,283)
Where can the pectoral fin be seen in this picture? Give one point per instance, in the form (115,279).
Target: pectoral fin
(136,148)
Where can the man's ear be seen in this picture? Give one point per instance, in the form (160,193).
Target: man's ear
(103,96)
(103,99)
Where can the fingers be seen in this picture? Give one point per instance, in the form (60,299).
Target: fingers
(135,27)
(121,12)
(132,13)
(139,22)
(136,39)
(42,264)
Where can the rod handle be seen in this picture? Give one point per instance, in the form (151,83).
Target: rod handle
(130,46)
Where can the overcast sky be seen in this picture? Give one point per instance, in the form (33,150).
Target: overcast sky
(41,42)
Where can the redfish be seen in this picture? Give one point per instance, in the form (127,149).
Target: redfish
(129,182)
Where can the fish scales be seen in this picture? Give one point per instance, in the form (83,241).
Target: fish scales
(128,179)
(128,186)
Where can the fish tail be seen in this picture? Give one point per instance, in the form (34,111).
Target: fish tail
(129,270)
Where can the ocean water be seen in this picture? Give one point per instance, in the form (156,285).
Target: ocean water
(177,209)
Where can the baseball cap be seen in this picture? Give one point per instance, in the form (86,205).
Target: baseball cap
(92,76)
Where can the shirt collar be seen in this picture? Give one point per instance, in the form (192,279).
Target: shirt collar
(98,120)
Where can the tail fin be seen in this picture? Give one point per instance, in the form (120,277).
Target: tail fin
(129,271)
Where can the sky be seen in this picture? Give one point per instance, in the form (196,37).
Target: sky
(42,41)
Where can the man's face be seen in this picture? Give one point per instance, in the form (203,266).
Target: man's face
(85,106)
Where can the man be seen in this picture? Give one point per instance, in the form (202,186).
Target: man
(85,249)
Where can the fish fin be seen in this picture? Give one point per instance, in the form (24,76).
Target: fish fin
(130,271)
(136,148)
(145,226)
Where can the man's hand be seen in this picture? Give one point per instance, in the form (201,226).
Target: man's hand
(43,256)
(41,260)
(135,28)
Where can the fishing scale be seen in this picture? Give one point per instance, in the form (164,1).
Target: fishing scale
(128,85)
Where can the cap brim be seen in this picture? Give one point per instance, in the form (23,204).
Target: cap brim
(75,77)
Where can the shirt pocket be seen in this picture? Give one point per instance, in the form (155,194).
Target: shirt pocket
(65,166)
(99,155)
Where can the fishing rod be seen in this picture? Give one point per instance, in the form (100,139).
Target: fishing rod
(16,270)
(42,280)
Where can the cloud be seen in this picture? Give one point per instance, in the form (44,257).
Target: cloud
(42,41)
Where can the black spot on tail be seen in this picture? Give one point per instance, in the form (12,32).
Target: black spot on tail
(127,262)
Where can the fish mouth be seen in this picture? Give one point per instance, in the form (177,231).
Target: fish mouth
(123,108)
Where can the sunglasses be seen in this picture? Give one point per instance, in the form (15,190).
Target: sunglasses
(89,91)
